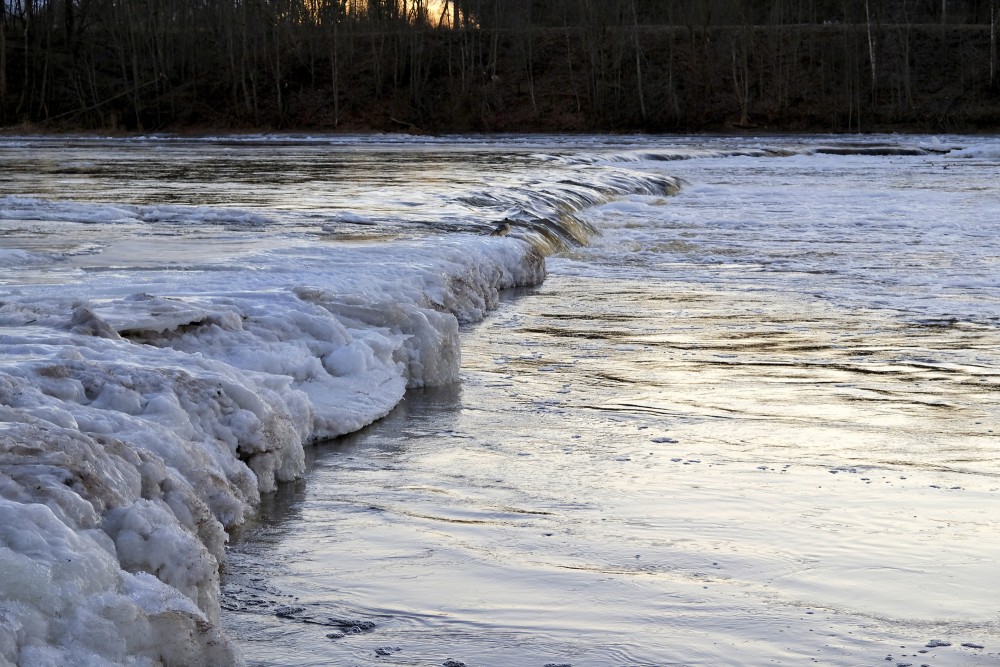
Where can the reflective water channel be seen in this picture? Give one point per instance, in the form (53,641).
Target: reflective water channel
(752,423)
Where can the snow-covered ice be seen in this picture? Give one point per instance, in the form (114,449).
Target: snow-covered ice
(136,429)
(145,404)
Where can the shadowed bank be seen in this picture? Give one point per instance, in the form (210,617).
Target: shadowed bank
(510,66)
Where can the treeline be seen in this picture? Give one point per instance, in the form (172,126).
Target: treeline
(510,65)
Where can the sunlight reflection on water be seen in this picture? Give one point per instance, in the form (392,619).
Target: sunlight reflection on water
(765,444)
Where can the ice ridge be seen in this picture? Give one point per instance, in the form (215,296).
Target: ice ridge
(136,429)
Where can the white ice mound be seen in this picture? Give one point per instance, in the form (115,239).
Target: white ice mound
(30,208)
(982,151)
(134,430)
(15,258)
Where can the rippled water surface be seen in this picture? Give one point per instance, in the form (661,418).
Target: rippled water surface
(751,423)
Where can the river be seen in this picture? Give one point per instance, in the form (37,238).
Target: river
(749,417)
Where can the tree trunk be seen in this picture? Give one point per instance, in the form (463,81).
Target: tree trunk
(638,61)
(871,49)
(993,44)
(28,56)
(335,75)
(3,62)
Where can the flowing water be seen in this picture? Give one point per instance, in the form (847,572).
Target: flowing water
(750,416)
(749,424)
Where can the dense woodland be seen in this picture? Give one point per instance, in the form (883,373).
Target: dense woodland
(500,65)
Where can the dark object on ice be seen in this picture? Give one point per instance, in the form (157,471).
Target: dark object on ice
(453,663)
(384,651)
(503,229)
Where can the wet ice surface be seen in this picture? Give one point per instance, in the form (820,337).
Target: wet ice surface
(751,424)
(162,366)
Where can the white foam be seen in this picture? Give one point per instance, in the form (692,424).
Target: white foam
(985,151)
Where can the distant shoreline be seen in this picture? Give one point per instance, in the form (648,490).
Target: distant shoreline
(596,75)
(202,132)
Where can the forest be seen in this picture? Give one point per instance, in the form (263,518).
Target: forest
(500,65)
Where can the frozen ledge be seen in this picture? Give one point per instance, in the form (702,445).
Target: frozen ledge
(135,430)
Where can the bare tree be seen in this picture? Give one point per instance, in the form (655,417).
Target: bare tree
(994,18)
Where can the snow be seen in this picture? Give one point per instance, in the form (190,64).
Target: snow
(11,258)
(30,208)
(982,151)
(135,428)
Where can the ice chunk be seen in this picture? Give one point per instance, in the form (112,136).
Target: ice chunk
(134,428)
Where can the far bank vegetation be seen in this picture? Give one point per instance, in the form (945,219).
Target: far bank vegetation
(500,65)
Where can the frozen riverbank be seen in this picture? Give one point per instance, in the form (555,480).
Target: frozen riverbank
(137,429)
